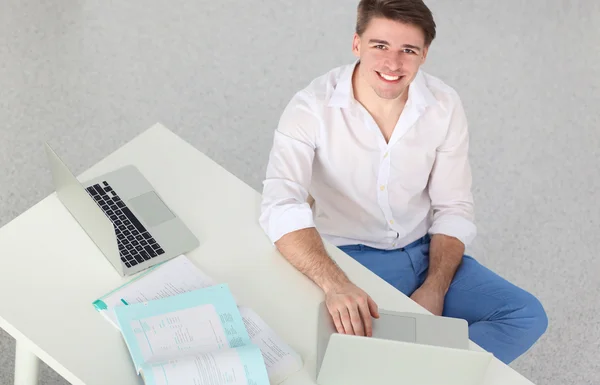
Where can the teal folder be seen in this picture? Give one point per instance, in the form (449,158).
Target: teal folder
(194,338)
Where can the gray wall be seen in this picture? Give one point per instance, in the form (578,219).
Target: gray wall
(88,76)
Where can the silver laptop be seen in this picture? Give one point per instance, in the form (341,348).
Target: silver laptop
(406,348)
(124,216)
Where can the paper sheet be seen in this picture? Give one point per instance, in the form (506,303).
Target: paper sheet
(280,359)
(178,333)
(176,276)
(239,366)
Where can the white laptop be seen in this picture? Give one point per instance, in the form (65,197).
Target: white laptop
(406,348)
(124,216)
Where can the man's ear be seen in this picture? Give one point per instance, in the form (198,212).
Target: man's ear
(356,45)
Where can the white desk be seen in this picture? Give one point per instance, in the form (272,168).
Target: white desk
(51,272)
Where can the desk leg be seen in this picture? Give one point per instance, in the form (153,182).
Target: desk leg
(27,366)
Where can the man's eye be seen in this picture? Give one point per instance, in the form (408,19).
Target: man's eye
(408,50)
(380,46)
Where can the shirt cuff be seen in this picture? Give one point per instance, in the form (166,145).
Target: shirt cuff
(455,226)
(282,220)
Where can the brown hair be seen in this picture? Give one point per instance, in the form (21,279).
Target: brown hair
(413,12)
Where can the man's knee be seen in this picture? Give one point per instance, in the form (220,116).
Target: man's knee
(533,316)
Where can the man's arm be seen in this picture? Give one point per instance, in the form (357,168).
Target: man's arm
(350,307)
(287,218)
(452,203)
(305,251)
(445,256)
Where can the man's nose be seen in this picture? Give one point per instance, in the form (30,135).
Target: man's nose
(394,62)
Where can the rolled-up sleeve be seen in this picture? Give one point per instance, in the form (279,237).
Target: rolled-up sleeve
(450,181)
(284,206)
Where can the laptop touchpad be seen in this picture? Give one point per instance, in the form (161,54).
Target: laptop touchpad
(394,327)
(151,209)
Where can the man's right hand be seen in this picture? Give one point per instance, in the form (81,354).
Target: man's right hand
(351,309)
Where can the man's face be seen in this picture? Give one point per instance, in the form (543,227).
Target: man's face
(390,55)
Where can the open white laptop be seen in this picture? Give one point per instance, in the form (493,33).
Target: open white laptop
(406,348)
(124,216)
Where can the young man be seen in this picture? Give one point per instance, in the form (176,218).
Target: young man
(380,149)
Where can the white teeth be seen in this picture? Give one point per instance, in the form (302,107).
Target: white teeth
(387,77)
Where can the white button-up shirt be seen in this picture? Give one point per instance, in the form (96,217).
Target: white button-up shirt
(367,191)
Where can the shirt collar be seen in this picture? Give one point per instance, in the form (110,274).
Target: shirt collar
(343,94)
(419,94)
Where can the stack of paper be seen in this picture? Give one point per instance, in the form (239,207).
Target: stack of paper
(183,328)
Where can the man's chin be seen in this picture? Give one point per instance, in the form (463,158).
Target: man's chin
(388,95)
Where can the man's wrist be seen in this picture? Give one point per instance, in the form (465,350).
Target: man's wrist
(334,283)
(436,284)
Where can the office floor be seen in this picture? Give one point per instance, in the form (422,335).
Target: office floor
(90,75)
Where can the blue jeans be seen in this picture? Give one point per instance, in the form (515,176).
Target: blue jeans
(503,318)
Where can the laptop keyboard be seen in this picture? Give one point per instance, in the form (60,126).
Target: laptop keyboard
(136,245)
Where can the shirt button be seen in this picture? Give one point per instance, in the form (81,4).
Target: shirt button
(385,155)
(382,187)
(391,221)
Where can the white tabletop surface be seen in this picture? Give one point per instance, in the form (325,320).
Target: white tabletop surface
(51,272)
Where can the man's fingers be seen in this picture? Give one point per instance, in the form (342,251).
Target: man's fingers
(352,311)
(346,321)
(357,322)
(335,315)
(373,308)
(366,318)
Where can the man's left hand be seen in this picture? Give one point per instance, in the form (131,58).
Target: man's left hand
(430,297)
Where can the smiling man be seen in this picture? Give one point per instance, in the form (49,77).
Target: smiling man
(373,157)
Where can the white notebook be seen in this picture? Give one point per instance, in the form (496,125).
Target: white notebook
(180,275)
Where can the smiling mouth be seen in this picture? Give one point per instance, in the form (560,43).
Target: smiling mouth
(390,78)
